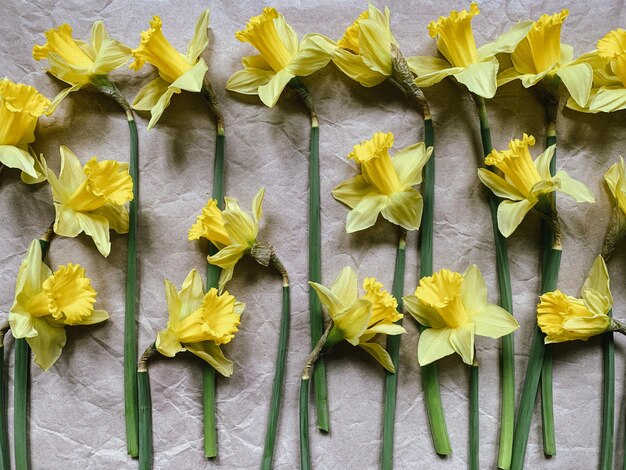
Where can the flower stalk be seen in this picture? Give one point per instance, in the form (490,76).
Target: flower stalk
(393,348)
(5,459)
(209,377)
(281,359)
(315,256)
(20,382)
(145,409)
(106,87)
(507,407)
(474,423)
(403,76)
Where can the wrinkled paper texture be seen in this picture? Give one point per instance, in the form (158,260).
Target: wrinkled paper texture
(77,409)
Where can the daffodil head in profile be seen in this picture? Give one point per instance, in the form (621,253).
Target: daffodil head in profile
(454,308)
(541,58)
(281,56)
(177,72)
(525,181)
(358,320)
(474,67)
(90,198)
(364,51)
(46,302)
(385,185)
(199,323)
(232,231)
(609,76)
(615,178)
(79,63)
(565,318)
(20,107)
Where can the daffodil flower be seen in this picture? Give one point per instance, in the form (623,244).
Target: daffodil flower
(541,56)
(90,199)
(46,302)
(359,319)
(364,51)
(199,323)
(385,185)
(231,230)
(525,181)
(78,63)
(615,178)
(177,72)
(454,308)
(281,57)
(609,79)
(474,67)
(565,318)
(20,108)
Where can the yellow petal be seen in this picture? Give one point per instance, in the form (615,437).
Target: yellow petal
(374,47)
(227,257)
(423,314)
(608,100)
(191,295)
(200,39)
(353,322)
(499,185)
(462,341)
(155,49)
(167,343)
(474,290)
(116,215)
(409,163)
(578,80)
(598,280)
(20,107)
(271,91)
(511,214)
(48,344)
(65,221)
(433,345)
(380,354)
(97,227)
(111,55)
(70,294)
(574,188)
(455,38)
(193,78)
(257,206)
(149,95)
(313,55)
(351,191)
(354,67)
(248,80)
(404,209)
(480,78)
(33,271)
(505,43)
(210,225)
(364,215)
(494,321)
(162,104)
(426,65)
(14,157)
(612,44)
(60,42)
(271,36)
(211,353)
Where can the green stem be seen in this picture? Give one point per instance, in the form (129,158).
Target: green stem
(534,368)
(279,378)
(507,358)
(145,421)
(305,452)
(430,376)
(20,382)
(20,403)
(608,400)
(549,262)
(130,316)
(393,348)
(5,460)
(474,427)
(209,377)
(315,255)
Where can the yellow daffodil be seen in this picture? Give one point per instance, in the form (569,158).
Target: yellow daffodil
(199,322)
(474,67)
(177,72)
(615,178)
(91,199)
(231,230)
(609,79)
(564,318)
(364,51)
(454,308)
(359,320)
(525,181)
(78,63)
(281,57)
(385,185)
(20,108)
(541,56)
(45,302)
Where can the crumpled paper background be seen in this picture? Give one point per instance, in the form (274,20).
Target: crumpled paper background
(76,413)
